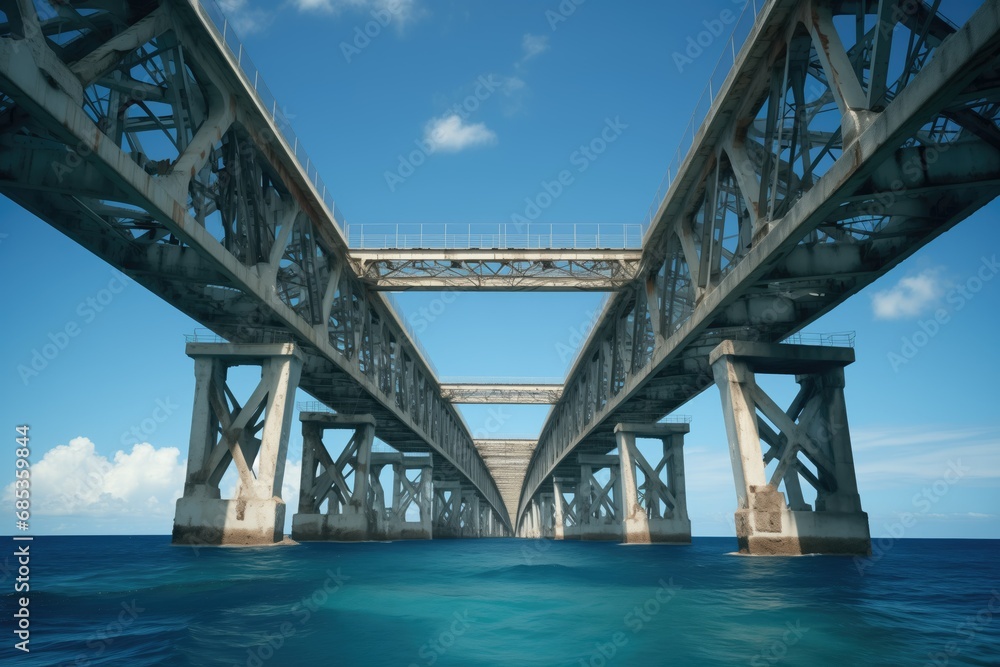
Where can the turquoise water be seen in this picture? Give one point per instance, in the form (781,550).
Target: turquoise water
(139,601)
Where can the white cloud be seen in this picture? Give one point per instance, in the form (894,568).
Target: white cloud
(450,134)
(869,438)
(512,84)
(910,297)
(74,479)
(133,489)
(929,453)
(245,19)
(533,45)
(399,12)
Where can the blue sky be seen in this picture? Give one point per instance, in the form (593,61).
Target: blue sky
(116,401)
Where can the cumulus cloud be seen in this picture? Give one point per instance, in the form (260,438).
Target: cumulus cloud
(399,12)
(246,19)
(74,479)
(451,134)
(533,45)
(910,297)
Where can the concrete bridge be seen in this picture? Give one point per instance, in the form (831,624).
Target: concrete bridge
(827,156)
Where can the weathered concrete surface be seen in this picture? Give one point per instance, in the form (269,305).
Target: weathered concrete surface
(215,522)
(769,528)
(646,525)
(815,426)
(332,528)
(222,436)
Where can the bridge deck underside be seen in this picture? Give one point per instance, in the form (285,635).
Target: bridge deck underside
(138,132)
(824,161)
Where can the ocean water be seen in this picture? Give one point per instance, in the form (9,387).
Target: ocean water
(139,601)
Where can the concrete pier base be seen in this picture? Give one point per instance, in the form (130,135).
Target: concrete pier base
(771,529)
(223,433)
(447,509)
(773,517)
(331,528)
(661,517)
(351,516)
(247,522)
(599,510)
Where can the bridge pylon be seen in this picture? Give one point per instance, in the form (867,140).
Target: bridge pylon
(656,510)
(223,432)
(447,509)
(769,522)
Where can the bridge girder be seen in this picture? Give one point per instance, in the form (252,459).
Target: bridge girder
(142,137)
(778,214)
(497,269)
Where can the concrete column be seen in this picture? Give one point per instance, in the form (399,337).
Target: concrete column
(558,519)
(352,515)
(257,514)
(765,524)
(591,526)
(647,524)
(474,511)
(425,501)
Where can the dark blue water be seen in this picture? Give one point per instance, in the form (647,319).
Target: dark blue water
(138,601)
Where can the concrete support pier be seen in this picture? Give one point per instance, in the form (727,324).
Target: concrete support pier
(560,511)
(599,504)
(351,514)
(408,493)
(656,510)
(769,522)
(224,432)
(447,509)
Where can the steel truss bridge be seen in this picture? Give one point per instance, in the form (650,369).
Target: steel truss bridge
(847,135)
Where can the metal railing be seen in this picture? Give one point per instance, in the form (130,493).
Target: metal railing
(254,336)
(741,30)
(313,406)
(440,236)
(756,335)
(676,419)
(270,104)
(501,381)
(839,339)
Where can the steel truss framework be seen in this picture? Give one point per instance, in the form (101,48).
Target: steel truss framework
(131,128)
(507,269)
(848,135)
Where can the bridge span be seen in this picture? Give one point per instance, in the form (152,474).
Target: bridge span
(847,135)
(143,131)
